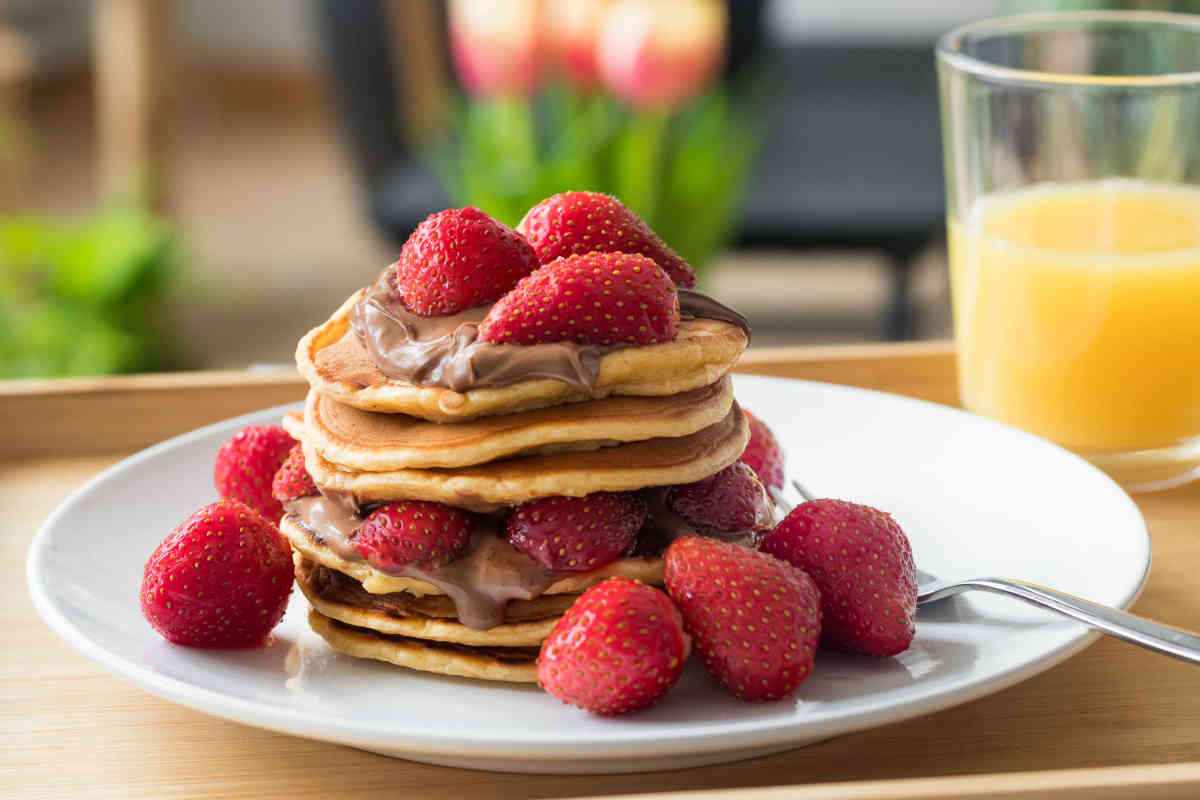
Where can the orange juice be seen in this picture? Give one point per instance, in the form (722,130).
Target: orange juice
(1077,312)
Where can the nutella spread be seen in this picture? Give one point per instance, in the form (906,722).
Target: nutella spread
(446,351)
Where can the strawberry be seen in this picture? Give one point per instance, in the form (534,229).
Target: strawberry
(458,259)
(220,579)
(292,481)
(416,532)
(733,500)
(246,466)
(574,223)
(755,620)
(619,648)
(763,453)
(577,534)
(603,299)
(862,562)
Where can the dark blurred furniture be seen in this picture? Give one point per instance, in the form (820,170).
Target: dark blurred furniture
(851,157)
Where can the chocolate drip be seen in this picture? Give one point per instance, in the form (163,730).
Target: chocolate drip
(328,522)
(488,575)
(446,351)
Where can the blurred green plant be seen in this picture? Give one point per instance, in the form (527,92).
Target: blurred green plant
(683,172)
(85,297)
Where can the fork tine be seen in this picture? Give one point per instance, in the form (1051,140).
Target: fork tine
(781,500)
(799,487)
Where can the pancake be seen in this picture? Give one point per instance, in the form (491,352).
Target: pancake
(341,603)
(335,363)
(487,487)
(361,440)
(647,569)
(506,664)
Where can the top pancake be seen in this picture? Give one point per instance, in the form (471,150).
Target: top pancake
(362,440)
(335,363)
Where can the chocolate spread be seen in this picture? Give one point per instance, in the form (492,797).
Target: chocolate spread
(446,351)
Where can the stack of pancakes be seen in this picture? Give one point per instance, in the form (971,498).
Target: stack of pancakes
(641,418)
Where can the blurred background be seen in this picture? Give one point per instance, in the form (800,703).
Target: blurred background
(194,183)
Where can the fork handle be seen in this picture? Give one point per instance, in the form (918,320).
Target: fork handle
(1137,630)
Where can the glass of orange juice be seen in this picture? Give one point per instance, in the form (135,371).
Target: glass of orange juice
(1072,153)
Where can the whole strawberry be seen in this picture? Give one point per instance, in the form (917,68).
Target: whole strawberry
(246,465)
(292,481)
(576,534)
(605,299)
(220,579)
(731,501)
(619,648)
(416,532)
(574,223)
(862,562)
(458,259)
(763,453)
(755,620)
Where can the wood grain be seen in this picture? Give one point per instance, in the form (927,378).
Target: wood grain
(71,730)
(1175,782)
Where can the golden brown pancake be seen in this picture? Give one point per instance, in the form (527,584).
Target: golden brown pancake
(486,487)
(334,362)
(508,664)
(371,442)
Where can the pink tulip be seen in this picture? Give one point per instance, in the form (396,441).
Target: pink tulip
(658,54)
(496,45)
(573,30)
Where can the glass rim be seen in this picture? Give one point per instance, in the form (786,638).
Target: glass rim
(949,48)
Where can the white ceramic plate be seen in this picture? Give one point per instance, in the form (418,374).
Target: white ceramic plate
(977,498)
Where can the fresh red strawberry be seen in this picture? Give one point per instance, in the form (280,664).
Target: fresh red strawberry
(755,620)
(458,259)
(600,298)
(221,579)
(292,481)
(246,467)
(763,453)
(731,501)
(619,648)
(416,532)
(573,223)
(862,562)
(577,534)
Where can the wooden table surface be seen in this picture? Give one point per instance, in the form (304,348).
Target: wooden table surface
(69,729)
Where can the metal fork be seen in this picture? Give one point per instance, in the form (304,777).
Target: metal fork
(1131,628)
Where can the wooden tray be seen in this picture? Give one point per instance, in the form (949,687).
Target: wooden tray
(1105,724)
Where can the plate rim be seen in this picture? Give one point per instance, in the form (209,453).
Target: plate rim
(600,746)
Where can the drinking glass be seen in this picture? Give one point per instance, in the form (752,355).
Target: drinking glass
(1072,154)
